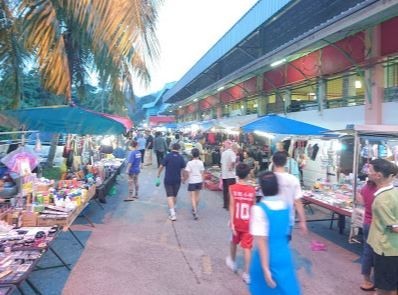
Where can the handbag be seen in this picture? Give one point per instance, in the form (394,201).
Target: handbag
(77,161)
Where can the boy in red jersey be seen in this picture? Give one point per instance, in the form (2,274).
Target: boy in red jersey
(242,196)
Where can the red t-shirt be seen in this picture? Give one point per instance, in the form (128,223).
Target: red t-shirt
(368,195)
(244,197)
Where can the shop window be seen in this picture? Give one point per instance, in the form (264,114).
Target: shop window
(251,106)
(225,110)
(275,105)
(346,90)
(391,79)
(303,98)
(236,109)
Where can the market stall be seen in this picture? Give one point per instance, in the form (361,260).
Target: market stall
(342,163)
(43,203)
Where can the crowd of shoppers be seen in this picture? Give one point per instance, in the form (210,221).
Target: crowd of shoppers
(265,224)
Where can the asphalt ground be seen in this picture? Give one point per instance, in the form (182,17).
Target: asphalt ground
(135,249)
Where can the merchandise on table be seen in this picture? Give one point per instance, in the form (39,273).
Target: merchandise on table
(20,250)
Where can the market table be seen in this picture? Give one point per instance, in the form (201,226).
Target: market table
(15,273)
(342,213)
(25,249)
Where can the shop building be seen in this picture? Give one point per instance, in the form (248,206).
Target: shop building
(329,63)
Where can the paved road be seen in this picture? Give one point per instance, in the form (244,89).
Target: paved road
(135,249)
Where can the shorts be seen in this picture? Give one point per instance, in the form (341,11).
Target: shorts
(194,186)
(244,238)
(172,189)
(386,272)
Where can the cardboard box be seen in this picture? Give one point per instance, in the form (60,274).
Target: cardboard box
(12,218)
(51,221)
(42,187)
(29,219)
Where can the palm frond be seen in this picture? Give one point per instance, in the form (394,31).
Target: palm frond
(12,56)
(121,27)
(43,36)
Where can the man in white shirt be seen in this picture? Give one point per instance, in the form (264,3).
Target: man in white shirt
(289,189)
(228,162)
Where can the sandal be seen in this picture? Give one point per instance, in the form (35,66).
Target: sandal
(128,200)
(372,288)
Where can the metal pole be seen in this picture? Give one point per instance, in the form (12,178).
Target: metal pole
(355,163)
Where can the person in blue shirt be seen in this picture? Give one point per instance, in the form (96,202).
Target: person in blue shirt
(133,170)
(174,164)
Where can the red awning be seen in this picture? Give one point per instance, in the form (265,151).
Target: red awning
(157,120)
(126,122)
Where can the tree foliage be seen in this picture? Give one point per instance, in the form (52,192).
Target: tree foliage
(69,38)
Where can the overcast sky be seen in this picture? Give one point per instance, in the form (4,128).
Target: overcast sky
(187,29)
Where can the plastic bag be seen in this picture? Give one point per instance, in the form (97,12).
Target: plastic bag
(157,181)
(21,161)
(62,167)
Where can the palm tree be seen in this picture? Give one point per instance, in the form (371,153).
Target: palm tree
(115,37)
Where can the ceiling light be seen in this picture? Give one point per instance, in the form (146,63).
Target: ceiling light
(278,62)
(358,84)
(220,88)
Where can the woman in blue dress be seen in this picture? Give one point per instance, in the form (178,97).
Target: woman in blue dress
(271,270)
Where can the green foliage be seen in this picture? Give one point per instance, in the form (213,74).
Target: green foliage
(115,38)
(51,172)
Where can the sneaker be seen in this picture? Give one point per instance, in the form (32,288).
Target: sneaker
(246,278)
(231,264)
(172,217)
(195,215)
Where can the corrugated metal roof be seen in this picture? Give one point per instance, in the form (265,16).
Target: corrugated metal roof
(259,13)
(261,35)
(158,96)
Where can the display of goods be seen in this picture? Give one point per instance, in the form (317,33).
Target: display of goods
(213,186)
(207,175)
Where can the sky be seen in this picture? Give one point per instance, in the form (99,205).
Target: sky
(186,30)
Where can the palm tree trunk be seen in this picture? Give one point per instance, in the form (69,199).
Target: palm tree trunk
(52,150)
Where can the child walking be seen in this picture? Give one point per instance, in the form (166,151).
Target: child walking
(133,170)
(194,173)
(242,196)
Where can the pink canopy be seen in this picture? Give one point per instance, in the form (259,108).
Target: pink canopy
(126,122)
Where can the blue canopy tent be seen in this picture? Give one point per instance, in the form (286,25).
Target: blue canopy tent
(68,119)
(206,125)
(171,125)
(281,125)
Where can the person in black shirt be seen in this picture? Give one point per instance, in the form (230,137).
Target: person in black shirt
(174,164)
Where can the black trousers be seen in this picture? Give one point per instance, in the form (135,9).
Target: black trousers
(159,157)
(142,155)
(225,189)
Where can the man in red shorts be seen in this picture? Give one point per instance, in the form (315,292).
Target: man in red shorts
(242,196)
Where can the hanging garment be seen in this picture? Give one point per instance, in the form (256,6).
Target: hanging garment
(37,148)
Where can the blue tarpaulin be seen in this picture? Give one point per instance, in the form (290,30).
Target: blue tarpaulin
(281,125)
(171,125)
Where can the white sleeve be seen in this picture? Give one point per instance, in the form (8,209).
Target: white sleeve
(258,222)
(188,167)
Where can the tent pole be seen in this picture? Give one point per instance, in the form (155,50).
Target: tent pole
(355,164)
